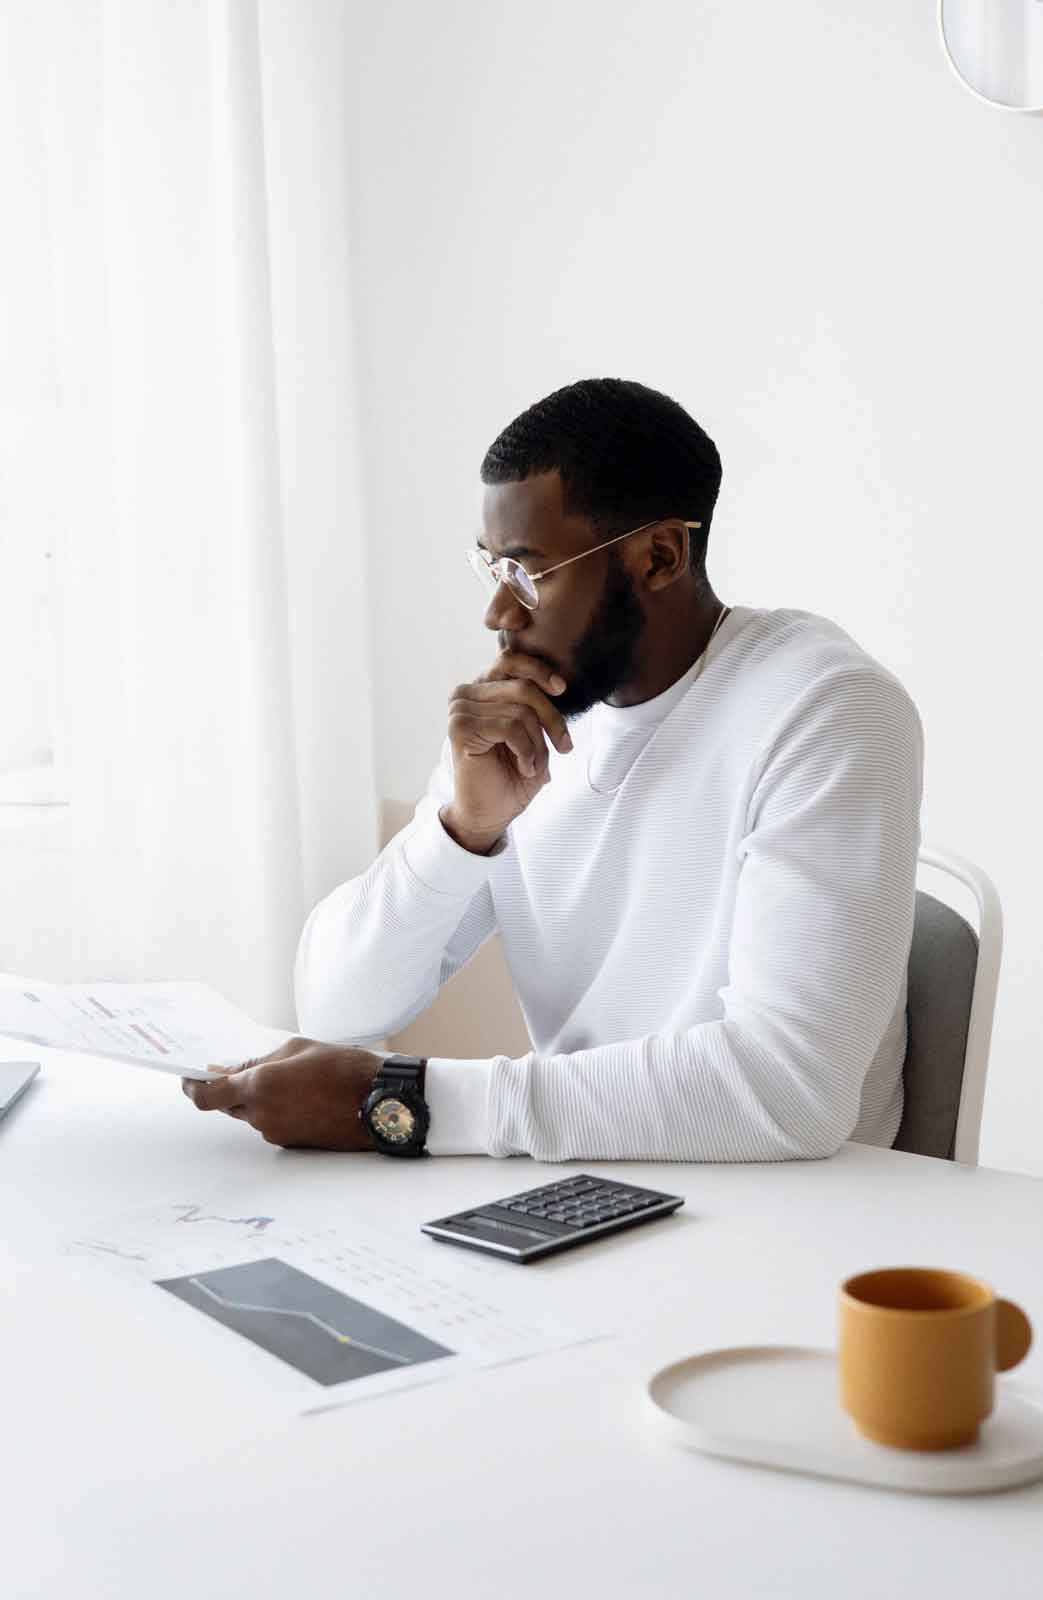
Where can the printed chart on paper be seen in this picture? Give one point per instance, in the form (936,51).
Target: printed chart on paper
(319,1315)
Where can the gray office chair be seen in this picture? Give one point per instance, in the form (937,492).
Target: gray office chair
(953,975)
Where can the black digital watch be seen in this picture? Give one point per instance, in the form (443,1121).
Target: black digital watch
(395,1113)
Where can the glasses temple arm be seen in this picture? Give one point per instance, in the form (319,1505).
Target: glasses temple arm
(604,545)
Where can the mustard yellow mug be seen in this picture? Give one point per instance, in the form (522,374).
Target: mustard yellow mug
(919,1348)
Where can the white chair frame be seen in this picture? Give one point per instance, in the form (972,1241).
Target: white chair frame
(983,998)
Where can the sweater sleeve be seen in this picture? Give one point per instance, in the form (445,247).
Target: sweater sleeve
(376,951)
(818,953)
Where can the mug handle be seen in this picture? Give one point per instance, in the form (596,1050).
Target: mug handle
(1013,1335)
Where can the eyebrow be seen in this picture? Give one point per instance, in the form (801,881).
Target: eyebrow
(514,550)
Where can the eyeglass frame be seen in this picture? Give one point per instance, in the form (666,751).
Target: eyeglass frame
(479,553)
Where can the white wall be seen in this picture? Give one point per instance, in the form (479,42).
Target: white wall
(792,219)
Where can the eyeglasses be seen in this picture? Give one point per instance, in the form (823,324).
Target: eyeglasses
(522,584)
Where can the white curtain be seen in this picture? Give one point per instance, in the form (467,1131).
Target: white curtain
(213,690)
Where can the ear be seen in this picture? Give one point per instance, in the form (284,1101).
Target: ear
(667,558)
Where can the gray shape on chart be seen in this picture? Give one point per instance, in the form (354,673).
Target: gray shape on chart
(328,1336)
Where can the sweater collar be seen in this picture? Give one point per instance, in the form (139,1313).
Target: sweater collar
(612,720)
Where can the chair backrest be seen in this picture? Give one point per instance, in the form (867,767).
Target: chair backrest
(953,975)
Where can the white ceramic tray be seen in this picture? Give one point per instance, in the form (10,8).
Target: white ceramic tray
(779,1406)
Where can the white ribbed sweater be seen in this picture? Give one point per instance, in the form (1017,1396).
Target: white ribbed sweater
(710,958)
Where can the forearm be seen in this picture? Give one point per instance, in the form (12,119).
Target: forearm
(712,1093)
(374,953)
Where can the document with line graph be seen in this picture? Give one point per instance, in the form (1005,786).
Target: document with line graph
(324,1333)
(315,1316)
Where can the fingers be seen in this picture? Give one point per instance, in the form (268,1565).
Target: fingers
(478,731)
(516,664)
(238,1091)
(221,1094)
(471,699)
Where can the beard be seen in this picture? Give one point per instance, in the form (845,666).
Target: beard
(604,658)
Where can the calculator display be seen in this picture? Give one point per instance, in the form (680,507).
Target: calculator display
(504,1227)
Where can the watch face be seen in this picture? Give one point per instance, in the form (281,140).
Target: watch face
(393,1121)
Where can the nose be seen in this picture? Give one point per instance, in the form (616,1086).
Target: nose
(505,612)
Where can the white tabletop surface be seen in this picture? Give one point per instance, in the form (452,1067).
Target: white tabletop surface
(129,1471)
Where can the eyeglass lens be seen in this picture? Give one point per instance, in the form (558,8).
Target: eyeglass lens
(509,572)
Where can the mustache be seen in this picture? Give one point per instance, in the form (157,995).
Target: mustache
(523,649)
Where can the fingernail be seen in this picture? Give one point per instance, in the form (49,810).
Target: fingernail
(557,684)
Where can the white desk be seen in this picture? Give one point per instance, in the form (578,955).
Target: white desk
(138,1478)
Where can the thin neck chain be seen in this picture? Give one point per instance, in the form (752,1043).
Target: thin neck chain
(698,674)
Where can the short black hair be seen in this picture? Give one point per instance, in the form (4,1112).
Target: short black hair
(626,454)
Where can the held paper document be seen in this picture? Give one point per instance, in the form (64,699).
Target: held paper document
(175,1027)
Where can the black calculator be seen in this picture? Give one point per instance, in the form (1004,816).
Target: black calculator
(539,1222)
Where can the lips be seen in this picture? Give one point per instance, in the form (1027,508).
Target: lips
(524,650)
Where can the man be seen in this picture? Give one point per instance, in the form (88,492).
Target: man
(695,828)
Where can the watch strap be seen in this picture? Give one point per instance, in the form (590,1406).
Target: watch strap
(407,1070)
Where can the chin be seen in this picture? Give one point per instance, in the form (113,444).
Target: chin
(572,705)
